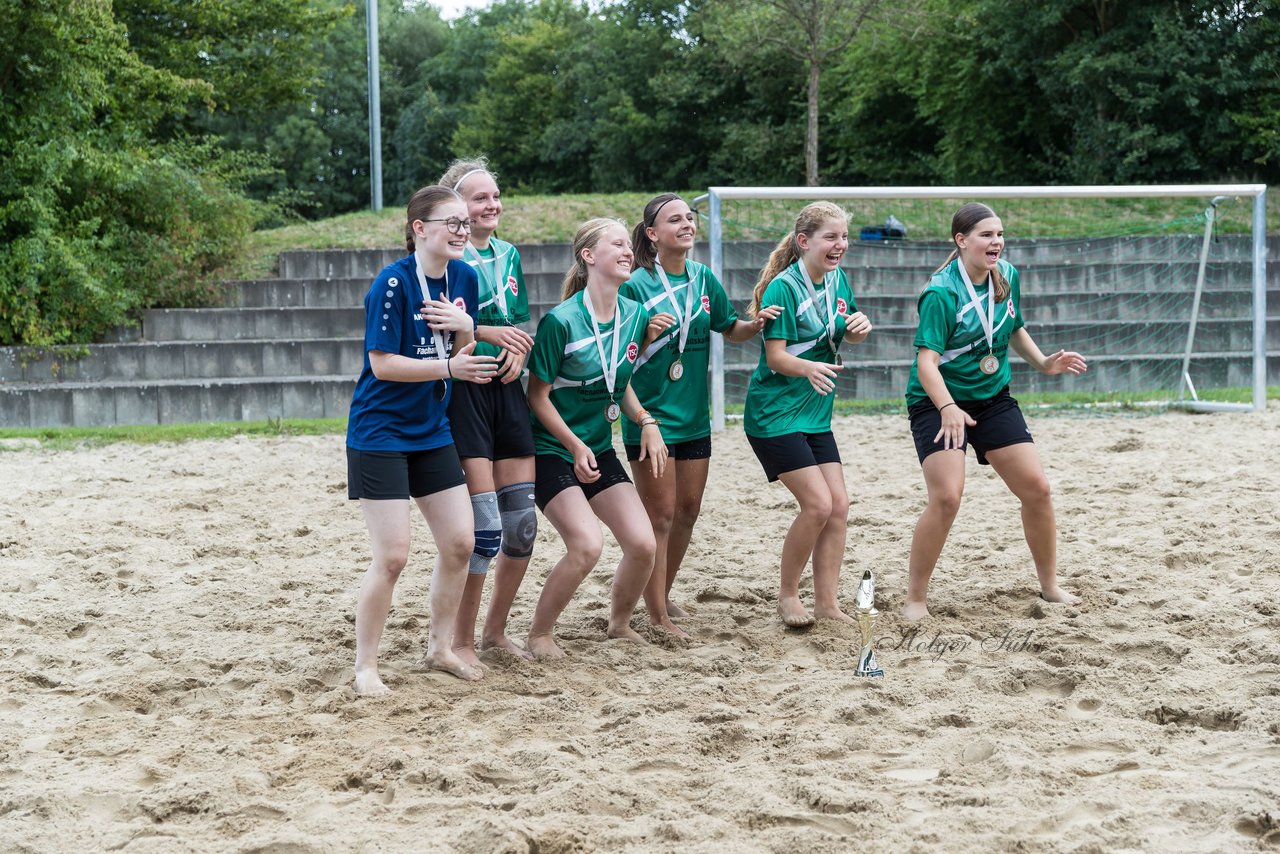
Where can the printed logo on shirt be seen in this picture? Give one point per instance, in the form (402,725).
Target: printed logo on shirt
(842,307)
(633,351)
(1010,304)
(706,303)
(513,286)
(460,303)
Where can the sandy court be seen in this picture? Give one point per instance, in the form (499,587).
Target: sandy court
(176,640)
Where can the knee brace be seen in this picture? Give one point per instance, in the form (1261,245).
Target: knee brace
(484,506)
(519,520)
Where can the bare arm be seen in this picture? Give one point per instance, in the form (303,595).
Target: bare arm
(1061,362)
(652,447)
(745,330)
(584,461)
(392,367)
(954,419)
(821,375)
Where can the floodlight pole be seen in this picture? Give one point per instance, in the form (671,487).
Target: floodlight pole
(375,111)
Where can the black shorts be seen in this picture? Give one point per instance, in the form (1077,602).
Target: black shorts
(694,449)
(792,451)
(555,474)
(1000,424)
(389,475)
(491,420)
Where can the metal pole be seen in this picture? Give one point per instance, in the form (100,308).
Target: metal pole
(717,341)
(375,110)
(1209,214)
(1260,301)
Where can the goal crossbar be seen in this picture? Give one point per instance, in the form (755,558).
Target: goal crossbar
(1258,192)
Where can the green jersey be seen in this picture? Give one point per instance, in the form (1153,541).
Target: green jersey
(951,324)
(812,322)
(503,298)
(567,356)
(698,301)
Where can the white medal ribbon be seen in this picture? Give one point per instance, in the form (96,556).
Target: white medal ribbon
(499,274)
(986,318)
(436,335)
(683,321)
(610,369)
(829,286)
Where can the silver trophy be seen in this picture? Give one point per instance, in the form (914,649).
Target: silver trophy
(867,616)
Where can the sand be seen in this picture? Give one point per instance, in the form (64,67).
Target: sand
(176,641)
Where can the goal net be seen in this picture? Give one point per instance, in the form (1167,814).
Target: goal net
(1162,288)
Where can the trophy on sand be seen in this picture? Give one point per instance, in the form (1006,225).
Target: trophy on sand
(867,614)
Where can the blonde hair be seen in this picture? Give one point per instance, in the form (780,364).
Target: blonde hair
(809,220)
(462,169)
(587,236)
(965,221)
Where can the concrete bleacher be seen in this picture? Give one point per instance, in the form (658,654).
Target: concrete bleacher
(290,346)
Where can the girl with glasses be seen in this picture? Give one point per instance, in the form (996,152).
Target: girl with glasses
(419,337)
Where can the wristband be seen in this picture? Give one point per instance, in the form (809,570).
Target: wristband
(448,363)
(945,405)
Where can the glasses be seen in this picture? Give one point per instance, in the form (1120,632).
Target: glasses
(454,225)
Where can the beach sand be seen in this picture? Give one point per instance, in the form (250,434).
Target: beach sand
(176,641)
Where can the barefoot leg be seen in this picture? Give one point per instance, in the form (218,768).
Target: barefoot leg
(509,571)
(620,509)
(658,495)
(691,485)
(448,515)
(828,552)
(814,496)
(578,527)
(388,524)
(944,479)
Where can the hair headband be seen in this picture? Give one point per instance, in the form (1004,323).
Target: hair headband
(467,175)
(654,218)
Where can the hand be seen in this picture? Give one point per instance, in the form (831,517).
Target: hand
(652,446)
(473,369)
(442,315)
(658,324)
(584,465)
(954,421)
(857,328)
(510,338)
(767,313)
(822,376)
(1064,362)
(510,366)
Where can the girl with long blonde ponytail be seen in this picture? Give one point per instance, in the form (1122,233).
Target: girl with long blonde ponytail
(790,397)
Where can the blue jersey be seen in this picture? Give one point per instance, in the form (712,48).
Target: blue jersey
(406,416)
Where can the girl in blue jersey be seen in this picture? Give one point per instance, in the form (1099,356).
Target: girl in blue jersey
(958,394)
(491,422)
(689,304)
(419,337)
(579,384)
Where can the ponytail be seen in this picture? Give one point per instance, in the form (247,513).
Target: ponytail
(643,250)
(808,221)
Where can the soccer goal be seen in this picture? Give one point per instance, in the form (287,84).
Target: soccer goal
(1162,288)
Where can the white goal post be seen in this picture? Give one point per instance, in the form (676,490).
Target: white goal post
(716,197)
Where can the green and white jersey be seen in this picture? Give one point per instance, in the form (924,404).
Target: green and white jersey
(950,325)
(778,404)
(566,357)
(503,298)
(698,300)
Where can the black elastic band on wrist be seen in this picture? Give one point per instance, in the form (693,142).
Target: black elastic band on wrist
(448,364)
(945,405)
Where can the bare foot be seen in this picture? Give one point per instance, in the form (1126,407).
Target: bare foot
(1057,594)
(793,612)
(675,611)
(666,623)
(544,646)
(625,632)
(914,611)
(468,656)
(506,644)
(369,684)
(447,661)
(832,614)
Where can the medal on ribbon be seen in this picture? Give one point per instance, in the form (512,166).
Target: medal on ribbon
(989,364)
(609,367)
(684,320)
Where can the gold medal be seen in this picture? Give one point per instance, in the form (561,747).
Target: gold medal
(990,364)
(676,371)
(612,412)
(839,361)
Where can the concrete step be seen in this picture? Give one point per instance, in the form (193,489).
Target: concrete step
(200,360)
(296,293)
(174,401)
(240,324)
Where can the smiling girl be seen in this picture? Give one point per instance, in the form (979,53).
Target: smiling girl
(671,382)
(958,394)
(791,395)
(419,323)
(579,384)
